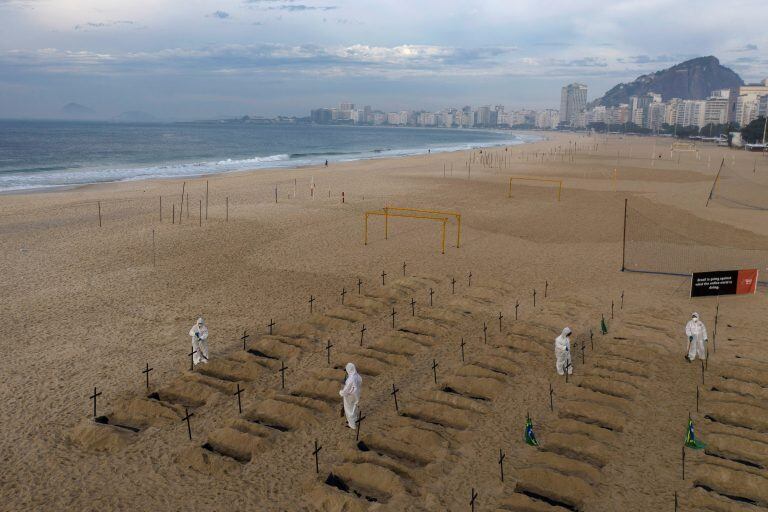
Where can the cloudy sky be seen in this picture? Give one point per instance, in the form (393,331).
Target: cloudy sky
(181,59)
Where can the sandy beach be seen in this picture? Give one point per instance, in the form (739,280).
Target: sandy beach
(90,307)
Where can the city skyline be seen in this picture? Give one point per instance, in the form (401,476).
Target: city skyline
(269,57)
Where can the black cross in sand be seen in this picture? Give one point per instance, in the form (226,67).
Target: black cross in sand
(244,338)
(583,360)
(500,317)
(328,348)
(362,333)
(394,394)
(93,397)
(611,310)
(271,324)
(146,372)
(502,456)
(469,279)
(404,268)
(485,332)
(622,300)
(186,418)
(453,285)
(434,369)
(431,293)
(239,402)
(360,419)
(546,288)
(343,293)
(192,360)
(473,499)
(311,304)
(383,275)
(534,297)
(282,374)
(413,307)
(591,339)
(551,393)
(567,368)
(393,317)
(316,452)
(359,285)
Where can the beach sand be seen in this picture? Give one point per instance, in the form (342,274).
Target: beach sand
(87,306)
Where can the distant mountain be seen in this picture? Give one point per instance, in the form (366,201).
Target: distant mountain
(77,110)
(135,116)
(693,79)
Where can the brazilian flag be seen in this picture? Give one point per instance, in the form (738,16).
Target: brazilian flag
(530,437)
(603,326)
(690,438)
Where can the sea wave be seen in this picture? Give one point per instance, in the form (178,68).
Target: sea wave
(54,177)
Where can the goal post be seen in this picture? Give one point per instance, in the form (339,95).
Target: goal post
(543,180)
(455,215)
(387,214)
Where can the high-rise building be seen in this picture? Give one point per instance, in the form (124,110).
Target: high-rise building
(573,99)
(690,113)
(483,116)
(656,115)
(716,110)
(762,108)
(746,109)
(320,116)
(548,119)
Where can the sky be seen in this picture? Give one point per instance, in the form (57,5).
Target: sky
(195,59)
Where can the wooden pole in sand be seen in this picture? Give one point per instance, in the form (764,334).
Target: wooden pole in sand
(206,199)
(227,201)
(153,247)
(181,210)
(187,204)
(161,208)
(200,223)
(99,203)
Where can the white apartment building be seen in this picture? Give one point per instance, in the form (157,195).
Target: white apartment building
(656,115)
(427,119)
(716,110)
(548,119)
(690,113)
(393,118)
(573,100)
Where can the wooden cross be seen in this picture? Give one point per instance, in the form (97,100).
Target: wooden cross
(413,307)
(282,374)
(622,300)
(360,419)
(404,268)
(343,293)
(146,372)
(567,367)
(383,275)
(702,371)
(431,293)
(485,332)
(453,285)
(393,317)
(551,402)
(462,344)
(500,317)
(186,418)
(316,452)
(534,297)
(311,304)
(239,402)
(394,394)
(583,360)
(244,338)
(192,360)
(469,279)
(546,288)
(611,310)
(93,397)
(271,324)
(362,333)
(502,456)
(434,369)
(517,305)
(328,347)
(359,285)
(473,499)
(591,340)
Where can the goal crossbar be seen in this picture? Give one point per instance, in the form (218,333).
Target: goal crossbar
(455,215)
(548,180)
(387,215)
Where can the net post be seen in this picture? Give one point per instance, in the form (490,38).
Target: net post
(458,231)
(624,237)
(365,231)
(510,188)
(443,242)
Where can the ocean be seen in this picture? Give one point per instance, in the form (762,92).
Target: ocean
(47,154)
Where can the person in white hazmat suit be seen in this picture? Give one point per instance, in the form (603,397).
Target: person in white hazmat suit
(697,338)
(350,393)
(563,352)
(199,333)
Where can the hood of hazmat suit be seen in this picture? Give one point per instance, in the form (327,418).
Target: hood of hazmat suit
(562,342)
(353,383)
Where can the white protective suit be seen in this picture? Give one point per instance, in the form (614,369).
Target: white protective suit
(199,333)
(351,394)
(697,338)
(563,352)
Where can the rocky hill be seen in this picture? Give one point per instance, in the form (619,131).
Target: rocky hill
(691,80)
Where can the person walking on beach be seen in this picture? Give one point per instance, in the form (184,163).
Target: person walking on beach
(697,338)
(350,394)
(563,352)
(199,333)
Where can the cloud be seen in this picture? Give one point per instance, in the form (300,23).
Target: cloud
(645,59)
(302,7)
(746,48)
(222,15)
(103,24)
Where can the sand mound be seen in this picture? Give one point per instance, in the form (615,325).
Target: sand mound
(280,415)
(587,395)
(599,434)
(553,488)
(184,392)
(738,485)
(472,387)
(437,414)
(565,465)
(422,327)
(141,413)
(452,400)
(326,390)
(327,499)
(273,348)
(518,343)
(608,387)
(366,480)
(738,449)
(745,374)
(698,499)
(233,443)
(365,364)
(346,314)
(89,435)
(594,414)
(739,415)
(230,370)
(207,462)
(522,503)
(579,447)
(411,453)
(630,368)
(747,389)
(497,364)
(472,370)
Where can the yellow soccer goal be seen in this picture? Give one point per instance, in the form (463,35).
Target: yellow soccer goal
(388,212)
(542,180)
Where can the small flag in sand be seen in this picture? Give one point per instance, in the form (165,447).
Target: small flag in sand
(603,326)
(690,438)
(530,437)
